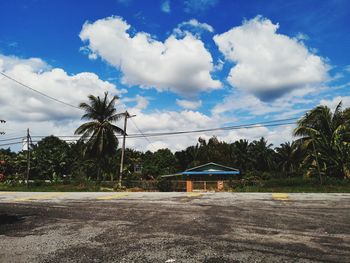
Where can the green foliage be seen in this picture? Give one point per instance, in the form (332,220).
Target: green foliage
(164,185)
(325,136)
(324,139)
(99,133)
(50,159)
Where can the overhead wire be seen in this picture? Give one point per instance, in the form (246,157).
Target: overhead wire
(39,92)
(70,138)
(136,126)
(148,135)
(59,101)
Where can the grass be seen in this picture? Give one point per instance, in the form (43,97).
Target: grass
(55,187)
(285,185)
(296,185)
(293,189)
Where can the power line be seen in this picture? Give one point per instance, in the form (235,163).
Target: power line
(57,100)
(137,136)
(208,130)
(237,127)
(13,143)
(11,139)
(39,92)
(136,126)
(143,135)
(242,126)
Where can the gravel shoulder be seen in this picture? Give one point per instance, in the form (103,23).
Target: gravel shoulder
(176,227)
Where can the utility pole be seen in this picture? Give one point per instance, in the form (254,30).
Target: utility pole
(28,157)
(317,163)
(126,117)
(1,132)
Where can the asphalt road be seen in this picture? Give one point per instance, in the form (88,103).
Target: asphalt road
(174,227)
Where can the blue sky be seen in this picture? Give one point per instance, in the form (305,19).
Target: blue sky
(178,64)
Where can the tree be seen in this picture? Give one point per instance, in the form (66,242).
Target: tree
(261,154)
(50,159)
(326,137)
(161,162)
(99,133)
(242,156)
(288,157)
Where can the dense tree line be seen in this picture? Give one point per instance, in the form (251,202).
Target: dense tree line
(321,149)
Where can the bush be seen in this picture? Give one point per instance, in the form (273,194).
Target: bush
(2,178)
(164,185)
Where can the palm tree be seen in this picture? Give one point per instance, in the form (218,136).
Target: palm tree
(288,157)
(99,133)
(326,136)
(241,152)
(262,154)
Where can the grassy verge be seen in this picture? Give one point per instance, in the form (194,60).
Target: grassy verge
(295,185)
(286,185)
(291,189)
(56,188)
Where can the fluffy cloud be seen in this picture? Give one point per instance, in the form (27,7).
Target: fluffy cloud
(194,26)
(287,106)
(23,108)
(332,103)
(268,64)
(275,136)
(182,66)
(188,104)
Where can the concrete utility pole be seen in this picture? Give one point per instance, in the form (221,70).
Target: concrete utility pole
(317,163)
(28,156)
(126,117)
(1,132)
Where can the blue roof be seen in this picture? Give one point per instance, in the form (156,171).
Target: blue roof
(210,172)
(208,169)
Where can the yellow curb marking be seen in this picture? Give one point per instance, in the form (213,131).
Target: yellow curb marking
(109,197)
(38,197)
(6,193)
(190,195)
(194,194)
(280,196)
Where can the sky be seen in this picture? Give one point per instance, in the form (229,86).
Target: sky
(176,64)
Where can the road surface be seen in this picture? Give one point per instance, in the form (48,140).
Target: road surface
(174,227)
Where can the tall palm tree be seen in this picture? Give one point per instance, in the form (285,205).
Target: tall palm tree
(99,133)
(262,154)
(241,152)
(326,136)
(288,157)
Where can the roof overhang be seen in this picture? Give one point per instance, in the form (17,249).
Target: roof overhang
(209,172)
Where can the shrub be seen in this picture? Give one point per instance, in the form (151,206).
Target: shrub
(2,178)
(164,185)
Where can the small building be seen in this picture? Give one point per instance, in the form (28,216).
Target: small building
(210,176)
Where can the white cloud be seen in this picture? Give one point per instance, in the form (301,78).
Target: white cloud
(301,36)
(269,64)
(182,66)
(141,102)
(23,108)
(332,103)
(276,136)
(188,104)
(165,7)
(193,26)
